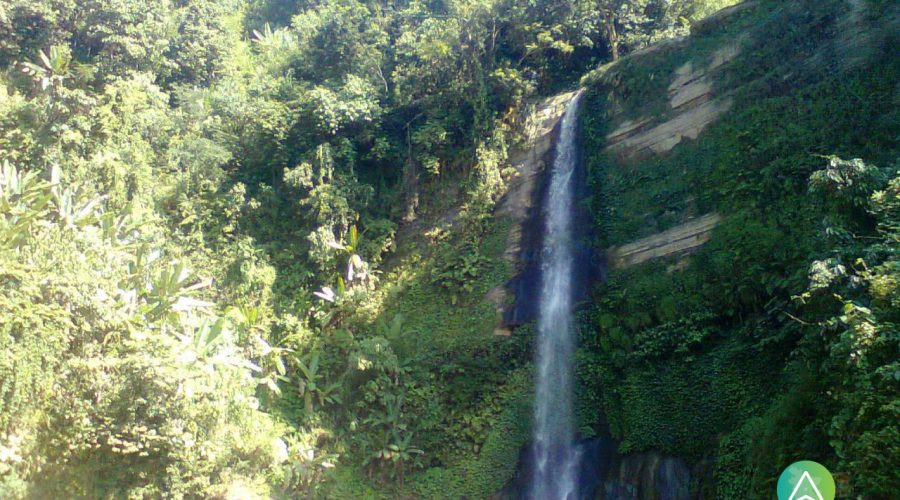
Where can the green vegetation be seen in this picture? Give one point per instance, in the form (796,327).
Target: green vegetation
(245,246)
(779,341)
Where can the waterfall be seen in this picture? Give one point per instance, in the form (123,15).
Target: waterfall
(555,457)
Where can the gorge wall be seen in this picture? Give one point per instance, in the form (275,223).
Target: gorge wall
(521,205)
(699,152)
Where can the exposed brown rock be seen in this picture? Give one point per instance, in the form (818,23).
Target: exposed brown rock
(627,129)
(682,239)
(695,85)
(693,107)
(529,163)
(667,135)
(695,102)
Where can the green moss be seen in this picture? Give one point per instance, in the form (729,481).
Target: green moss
(350,482)
(440,325)
(469,475)
(681,405)
(483,474)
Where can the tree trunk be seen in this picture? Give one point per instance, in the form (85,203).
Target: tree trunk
(410,183)
(612,37)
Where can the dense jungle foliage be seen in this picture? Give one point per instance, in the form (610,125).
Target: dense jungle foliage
(244,246)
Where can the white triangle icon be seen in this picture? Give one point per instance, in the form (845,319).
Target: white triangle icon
(805,478)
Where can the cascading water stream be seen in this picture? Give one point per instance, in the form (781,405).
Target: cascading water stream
(555,457)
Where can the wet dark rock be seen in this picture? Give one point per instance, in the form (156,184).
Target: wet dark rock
(648,476)
(604,474)
(590,264)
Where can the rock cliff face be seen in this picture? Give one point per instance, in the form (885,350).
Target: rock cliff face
(682,239)
(694,102)
(684,410)
(604,474)
(521,205)
(693,105)
(529,162)
(697,97)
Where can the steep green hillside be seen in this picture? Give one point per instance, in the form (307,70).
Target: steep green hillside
(777,340)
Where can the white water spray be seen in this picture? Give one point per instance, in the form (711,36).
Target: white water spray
(555,458)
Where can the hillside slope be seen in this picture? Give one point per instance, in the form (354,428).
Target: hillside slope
(717,337)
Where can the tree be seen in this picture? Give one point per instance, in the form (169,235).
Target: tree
(633,24)
(112,361)
(858,289)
